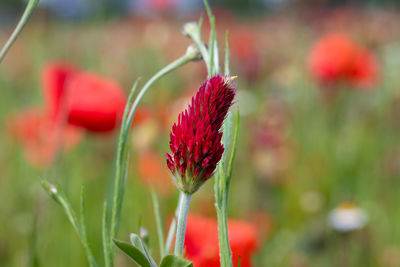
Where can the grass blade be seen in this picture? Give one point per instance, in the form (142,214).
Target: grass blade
(160,228)
(214,56)
(133,253)
(106,238)
(60,198)
(234,145)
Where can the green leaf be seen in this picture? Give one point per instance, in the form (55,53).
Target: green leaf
(175,261)
(226,137)
(57,194)
(106,238)
(213,46)
(139,244)
(160,229)
(234,145)
(134,253)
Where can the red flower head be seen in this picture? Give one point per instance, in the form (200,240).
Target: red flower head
(196,140)
(336,57)
(84,99)
(201,241)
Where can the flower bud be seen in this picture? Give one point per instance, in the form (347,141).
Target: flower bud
(193,52)
(195,141)
(190,28)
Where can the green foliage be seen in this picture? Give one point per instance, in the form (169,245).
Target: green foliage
(175,261)
(133,253)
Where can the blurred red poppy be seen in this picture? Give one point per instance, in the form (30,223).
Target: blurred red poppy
(54,78)
(40,136)
(83,98)
(94,103)
(201,241)
(336,57)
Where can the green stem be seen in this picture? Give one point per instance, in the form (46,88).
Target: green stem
(182,217)
(30,8)
(61,199)
(122,154)
(224,246)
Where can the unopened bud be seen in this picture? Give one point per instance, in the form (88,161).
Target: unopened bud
(189,29)
(193,52)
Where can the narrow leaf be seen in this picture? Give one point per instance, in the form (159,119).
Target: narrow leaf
(226,137)
(234,145)
(160,228)
(106,238)
(214,57)
(120,175)
(137,242)
(61,199)
(175,261)
(134,253)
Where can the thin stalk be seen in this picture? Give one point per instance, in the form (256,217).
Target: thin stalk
(222,183)
(223,234)
(193,30)
(60,198)
(105,237)
(180,231)
(122,154)
(30,8)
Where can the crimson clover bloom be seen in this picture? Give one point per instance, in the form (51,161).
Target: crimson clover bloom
(196,139)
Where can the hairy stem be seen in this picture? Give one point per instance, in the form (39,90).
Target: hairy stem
(181,229)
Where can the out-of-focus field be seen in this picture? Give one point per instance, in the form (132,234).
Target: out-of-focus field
(300,152)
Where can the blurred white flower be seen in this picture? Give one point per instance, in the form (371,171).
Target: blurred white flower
(347,217)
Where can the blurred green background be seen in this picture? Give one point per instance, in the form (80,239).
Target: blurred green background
(323,151)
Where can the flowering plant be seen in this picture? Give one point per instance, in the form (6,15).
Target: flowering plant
(199,148)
